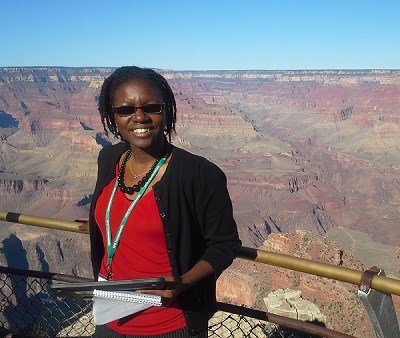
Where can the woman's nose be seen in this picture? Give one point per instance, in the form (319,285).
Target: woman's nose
(140,115)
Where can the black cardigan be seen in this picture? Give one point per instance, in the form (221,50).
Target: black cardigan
(196,212)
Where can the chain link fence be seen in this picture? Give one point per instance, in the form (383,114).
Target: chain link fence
(225,324)
(28,308)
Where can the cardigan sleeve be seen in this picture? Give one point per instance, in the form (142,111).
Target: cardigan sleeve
(108,157)
(95,235)
(215,216)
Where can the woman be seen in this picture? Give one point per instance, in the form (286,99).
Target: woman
(168,211)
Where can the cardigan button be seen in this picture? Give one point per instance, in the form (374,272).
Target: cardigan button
(162,215)
(158,199)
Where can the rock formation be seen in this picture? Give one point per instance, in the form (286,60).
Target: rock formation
(312,150)
(289,303)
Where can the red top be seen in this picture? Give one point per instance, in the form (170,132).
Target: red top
(141,253)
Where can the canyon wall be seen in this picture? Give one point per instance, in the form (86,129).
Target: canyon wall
(308,150)
(316,151)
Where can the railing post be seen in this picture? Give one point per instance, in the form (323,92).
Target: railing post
(379,306)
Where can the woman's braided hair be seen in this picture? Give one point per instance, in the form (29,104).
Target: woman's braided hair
(130,73)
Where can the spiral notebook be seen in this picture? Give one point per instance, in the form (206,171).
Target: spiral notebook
(129,296)
(112,305)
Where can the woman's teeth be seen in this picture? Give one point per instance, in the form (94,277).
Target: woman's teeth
(139,131)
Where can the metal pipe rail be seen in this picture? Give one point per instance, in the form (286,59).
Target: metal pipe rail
(47,275)
(339,273)
(352,276)
(290,323)
(44,222)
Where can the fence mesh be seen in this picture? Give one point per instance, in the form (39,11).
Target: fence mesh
(28,308)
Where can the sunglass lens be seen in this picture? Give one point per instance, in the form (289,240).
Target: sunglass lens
(155,108)
(125,110)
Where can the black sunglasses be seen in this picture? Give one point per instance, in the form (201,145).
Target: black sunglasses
(152,108)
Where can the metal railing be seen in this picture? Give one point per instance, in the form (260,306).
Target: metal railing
(339,273)
(236,321)
(28,308)
(380,283)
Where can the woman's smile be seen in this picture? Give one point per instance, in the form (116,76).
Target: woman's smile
(141,130)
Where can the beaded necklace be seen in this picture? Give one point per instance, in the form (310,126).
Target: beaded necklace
(140,184)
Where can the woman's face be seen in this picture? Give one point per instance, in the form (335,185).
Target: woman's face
(141,130)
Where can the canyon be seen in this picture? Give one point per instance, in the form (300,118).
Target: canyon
(312,160)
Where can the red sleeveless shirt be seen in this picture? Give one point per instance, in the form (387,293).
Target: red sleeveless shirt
(141,253)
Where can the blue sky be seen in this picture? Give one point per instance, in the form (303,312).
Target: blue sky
(202,35)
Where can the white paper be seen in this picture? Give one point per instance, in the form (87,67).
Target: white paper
(106,309)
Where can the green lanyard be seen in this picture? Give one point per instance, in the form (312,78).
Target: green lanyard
(112,246)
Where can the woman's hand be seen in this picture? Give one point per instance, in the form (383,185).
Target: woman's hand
(175,286)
